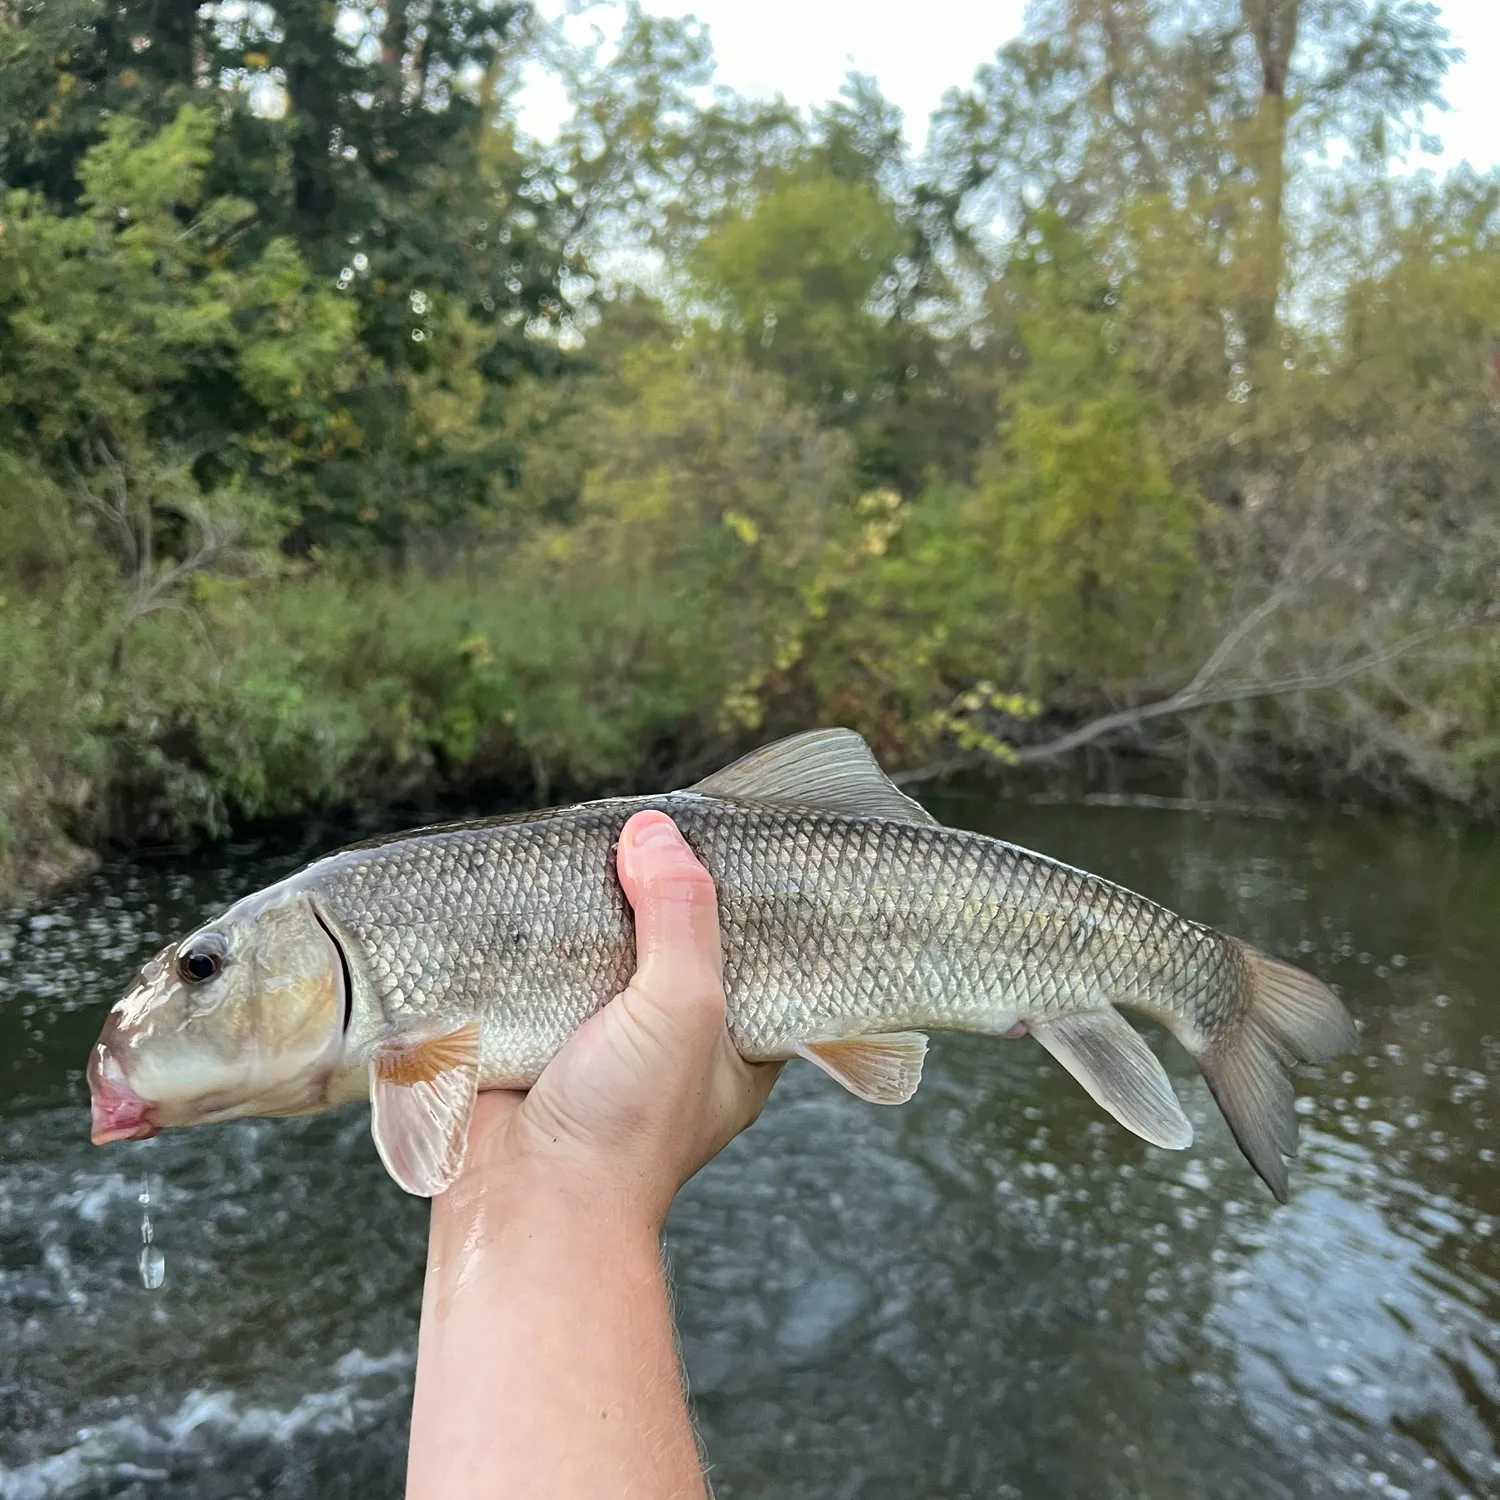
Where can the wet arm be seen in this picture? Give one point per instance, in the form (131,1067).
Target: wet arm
(547,1363)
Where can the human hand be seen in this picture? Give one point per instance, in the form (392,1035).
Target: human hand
(651,1087)
(547,1352)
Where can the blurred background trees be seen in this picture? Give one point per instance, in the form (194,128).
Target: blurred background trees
(353,445)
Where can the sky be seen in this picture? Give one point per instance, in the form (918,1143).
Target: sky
(803,49)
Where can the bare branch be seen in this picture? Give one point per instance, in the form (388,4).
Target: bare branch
(153,595)
(1197,695)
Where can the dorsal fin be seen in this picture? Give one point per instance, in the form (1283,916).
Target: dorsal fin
(824,770)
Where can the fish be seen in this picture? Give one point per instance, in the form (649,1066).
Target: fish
(418,969)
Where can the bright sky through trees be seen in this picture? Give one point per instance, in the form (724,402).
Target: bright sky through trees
(803,49)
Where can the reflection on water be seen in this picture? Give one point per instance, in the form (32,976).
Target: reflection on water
(994,1292)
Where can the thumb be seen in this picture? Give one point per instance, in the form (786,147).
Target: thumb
(680,968)
(676,912)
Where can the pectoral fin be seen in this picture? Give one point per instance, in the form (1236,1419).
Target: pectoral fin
(421,1101)
(881,1069)
(1108,1057)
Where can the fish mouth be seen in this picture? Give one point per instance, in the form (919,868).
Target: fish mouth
(119,1113)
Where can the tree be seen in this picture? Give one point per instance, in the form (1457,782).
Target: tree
(128,327)
(1103,104)
(375,146)
(645,167)
(801,274)
(353,445)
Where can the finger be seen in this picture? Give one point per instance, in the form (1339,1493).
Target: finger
(676,909)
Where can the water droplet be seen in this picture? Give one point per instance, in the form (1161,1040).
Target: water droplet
(151,1260)
(153,1266)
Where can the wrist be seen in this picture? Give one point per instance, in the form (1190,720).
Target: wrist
(520,1225)
(589,1198)
(546,1307)
(517,1181)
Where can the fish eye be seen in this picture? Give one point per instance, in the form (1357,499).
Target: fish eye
(202,961)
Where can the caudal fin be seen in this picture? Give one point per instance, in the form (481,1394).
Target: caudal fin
(1288,1017)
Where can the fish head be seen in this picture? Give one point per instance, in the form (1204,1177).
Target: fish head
(245,1016)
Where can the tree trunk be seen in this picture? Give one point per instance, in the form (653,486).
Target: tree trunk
(173,30)
(1273,25)
(309,69)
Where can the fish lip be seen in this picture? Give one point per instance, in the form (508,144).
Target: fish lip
(141,1130)
(118,1112)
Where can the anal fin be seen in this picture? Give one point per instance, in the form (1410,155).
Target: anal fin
(422,1096)
(1110,1059)
(882,1069)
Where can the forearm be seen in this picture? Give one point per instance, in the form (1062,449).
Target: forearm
(547,1365)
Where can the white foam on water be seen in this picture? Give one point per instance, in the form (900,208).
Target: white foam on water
(140,1447)
(94,1198)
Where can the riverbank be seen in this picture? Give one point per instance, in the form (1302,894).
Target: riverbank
(380,792)
(271,690)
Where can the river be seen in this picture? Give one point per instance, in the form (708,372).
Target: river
(993,1293)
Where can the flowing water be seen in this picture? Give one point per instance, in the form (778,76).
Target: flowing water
(994,1292)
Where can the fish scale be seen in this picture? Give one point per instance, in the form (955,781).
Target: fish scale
(830,925)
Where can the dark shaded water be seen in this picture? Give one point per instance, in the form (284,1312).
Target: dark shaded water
(994,1292)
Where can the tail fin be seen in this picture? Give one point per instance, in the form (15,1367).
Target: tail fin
(1287,1016)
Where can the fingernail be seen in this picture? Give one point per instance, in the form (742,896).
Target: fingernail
(656,833)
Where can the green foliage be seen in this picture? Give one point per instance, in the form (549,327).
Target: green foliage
(820,279)
(1091,538)
(129,323)
(643,162)
(710,490)
(342,459)
(800,273)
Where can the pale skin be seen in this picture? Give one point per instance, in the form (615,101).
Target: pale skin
(547,1364)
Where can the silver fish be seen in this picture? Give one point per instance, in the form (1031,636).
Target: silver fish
(416,970)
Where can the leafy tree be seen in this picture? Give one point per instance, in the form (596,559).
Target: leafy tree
(822,278)
(128,329)
(645,165)
(369,144)
(711,489)
(800,273)
(1104,104)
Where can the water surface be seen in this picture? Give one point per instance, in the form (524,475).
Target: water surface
(990,1294)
